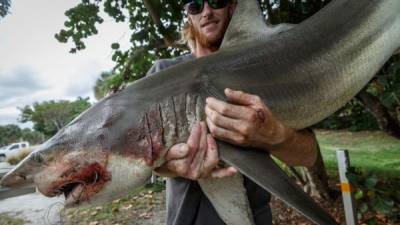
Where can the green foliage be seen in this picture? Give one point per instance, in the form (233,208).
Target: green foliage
(4,7)
(376,195)
(81,24)
(291,11)
(50,116)
(353,116)
(9,134)
(386,86)
(102,85)
(32,136)
(13,133)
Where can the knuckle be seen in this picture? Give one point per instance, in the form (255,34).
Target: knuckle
(214,162)
(257,99)
(224,110)
(213,130)
(194,175)
(191,146)
(214,117)
(244,130)
(182,169)
(240,139)
(253,116)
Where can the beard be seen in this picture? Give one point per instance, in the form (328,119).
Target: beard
(211,43)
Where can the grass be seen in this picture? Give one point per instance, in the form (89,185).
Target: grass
(122,211)
(368,150)
(6,219)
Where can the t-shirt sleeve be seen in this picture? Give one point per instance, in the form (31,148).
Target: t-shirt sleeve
(155,68)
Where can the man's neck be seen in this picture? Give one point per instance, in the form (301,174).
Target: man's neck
(201,51)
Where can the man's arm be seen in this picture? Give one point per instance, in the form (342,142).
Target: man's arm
(247,121)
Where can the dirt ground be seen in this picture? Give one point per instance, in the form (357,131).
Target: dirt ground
(148,208)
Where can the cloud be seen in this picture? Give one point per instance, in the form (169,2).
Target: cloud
(35,67)
(19,83)
(85,79)
(9,116)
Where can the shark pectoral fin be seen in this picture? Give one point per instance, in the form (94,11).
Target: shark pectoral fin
(260,168)
(248,24)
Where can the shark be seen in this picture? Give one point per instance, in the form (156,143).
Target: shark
(303,73)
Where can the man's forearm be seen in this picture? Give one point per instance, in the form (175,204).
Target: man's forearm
(300,149)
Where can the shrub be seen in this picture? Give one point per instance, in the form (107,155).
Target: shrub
(13,160)
(378,198)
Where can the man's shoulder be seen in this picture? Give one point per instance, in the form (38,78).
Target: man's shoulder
(165,63)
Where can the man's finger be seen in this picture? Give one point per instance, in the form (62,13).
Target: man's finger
(193,140)
(211,157)
(223,121)
(240,97)
(224,134)
(224,172)
(227,109)
(197,162)
(177,151)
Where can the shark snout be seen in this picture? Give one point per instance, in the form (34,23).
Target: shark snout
(23,173)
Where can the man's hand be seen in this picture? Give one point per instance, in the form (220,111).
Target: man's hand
(245,121)
(195,159)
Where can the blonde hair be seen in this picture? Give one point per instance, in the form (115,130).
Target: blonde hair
(188,36)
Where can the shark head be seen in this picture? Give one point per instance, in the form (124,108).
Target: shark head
(94,159)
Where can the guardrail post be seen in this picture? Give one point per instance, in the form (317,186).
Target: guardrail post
(348,198)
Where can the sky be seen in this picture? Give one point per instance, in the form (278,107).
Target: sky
(35,67)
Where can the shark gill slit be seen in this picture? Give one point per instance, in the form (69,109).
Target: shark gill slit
(175,117)
(163,141)
(149,136)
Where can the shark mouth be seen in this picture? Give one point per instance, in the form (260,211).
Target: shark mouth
(79,184)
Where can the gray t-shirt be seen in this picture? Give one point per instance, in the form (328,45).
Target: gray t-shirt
(186,202)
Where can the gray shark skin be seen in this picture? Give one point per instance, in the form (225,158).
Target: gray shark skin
(303,74)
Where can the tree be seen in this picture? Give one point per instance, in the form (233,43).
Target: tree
(103,85)
(50,116)
(12,133)
(9,134)
(4,7)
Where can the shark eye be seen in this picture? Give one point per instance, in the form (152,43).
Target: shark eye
(37,157)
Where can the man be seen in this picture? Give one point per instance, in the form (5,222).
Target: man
(245,120)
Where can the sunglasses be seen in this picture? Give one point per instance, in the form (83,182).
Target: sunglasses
(196,6)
